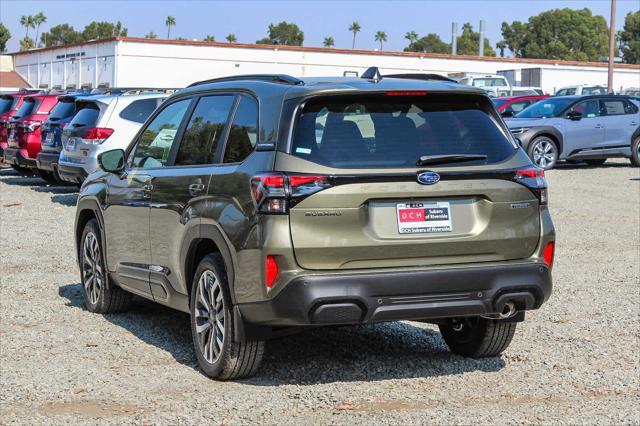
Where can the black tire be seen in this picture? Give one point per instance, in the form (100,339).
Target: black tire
(22,170)
(48,177)
(635,152)
(543,151)
(233,360)
(99,297)
(595,162)
(478,337)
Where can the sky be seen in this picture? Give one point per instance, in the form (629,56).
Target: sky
(249,20)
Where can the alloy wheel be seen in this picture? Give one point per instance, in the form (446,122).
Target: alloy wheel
(210,316)
(92,274)
(544,153)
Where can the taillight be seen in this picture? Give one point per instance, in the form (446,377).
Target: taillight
(270,271)
(533,178)
(275,193)
(548,254)
(97,135)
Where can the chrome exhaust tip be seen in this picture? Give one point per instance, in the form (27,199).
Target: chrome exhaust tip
(508,310)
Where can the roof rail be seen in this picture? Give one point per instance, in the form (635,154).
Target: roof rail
(130,90)
(373,73)
(273,78)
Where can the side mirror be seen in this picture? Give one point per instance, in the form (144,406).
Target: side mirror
(574,115)
(112,161)
(507,114)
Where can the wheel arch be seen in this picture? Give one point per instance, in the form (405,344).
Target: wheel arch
(552,133)
(86,210)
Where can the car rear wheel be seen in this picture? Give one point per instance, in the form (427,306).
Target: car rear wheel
(478,337)
(598,162)
(218,354)
(543,152)
(635,152)
(99,297)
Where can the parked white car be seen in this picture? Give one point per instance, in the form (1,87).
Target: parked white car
(581,90)
(103,122)
(493,84)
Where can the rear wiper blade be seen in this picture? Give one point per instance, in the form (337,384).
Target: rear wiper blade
(429,160)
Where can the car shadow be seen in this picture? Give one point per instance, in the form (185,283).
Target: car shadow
(69,200)
(21,180)
(585,166)
(319,355)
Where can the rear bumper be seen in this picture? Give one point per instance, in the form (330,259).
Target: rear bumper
(411,295)
(48,161)
(16,157)
(73,174)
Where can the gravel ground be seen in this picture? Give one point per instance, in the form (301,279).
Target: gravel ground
(576,360)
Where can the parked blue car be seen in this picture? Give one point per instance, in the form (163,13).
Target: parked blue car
(51,132)
(586,129)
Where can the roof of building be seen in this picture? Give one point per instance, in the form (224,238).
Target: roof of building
(12,79)
(334,50)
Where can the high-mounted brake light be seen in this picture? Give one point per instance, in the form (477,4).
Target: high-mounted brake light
(270,271)
(533,178)
(406,93)
(274,193)
(97,135)
(549,252)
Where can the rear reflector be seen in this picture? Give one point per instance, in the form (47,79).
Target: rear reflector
(548,254)
(270,271)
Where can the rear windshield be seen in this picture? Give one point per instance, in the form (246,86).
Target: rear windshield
(63,109)
(545,108)
(29,106)
(6,102)
(86,117)
(395,131)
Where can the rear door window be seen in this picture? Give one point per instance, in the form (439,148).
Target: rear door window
(613,107)
(138,111)
(395,131)
(243,134)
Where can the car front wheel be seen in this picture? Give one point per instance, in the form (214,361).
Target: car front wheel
(218,354)
(635,152)
(543,152)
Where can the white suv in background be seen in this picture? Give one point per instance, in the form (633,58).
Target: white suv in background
(104,122)
(581,90)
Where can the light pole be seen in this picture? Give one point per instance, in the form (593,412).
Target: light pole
(612,46)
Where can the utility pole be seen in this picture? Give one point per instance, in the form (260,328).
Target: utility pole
(454,38)
(481,43)
(612,46)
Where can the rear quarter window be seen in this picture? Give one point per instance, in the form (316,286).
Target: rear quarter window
(138,111)
(395,131)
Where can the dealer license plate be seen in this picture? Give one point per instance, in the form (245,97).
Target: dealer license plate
(415,218)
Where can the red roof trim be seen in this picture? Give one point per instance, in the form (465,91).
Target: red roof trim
(333,50)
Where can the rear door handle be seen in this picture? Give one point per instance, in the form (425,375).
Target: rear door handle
(196,189)
(599,126)
(634,123)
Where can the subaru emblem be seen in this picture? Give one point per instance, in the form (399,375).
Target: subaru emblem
(428,178)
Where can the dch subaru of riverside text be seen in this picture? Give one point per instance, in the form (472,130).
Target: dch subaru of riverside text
(264,203)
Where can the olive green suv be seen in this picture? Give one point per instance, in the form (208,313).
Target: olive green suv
(259,204)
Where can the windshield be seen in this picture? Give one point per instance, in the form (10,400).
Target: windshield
(385,132)
(545,108)
(6,102)
(63,109)
(28,107)
(489,82)
(498,102)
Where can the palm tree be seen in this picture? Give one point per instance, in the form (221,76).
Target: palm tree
(39,19)
(412,36)
(328,42)
(381,37)
(151,34)
(210,38)
(231,38)
(27,22)
(355,29)
(170,22)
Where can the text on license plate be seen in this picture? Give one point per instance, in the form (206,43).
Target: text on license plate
(424,217)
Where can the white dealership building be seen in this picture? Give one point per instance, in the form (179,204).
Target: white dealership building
(139,62)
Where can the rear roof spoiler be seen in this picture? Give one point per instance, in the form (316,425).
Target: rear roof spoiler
(373,73)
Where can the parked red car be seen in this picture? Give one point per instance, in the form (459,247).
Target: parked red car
(511,105)
(24,133)
(9,104)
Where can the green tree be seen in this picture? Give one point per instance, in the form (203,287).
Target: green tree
(151,34)
(5,35)
(469,42)
(630,38)
(328,42)
(210,38)
(502,46)
(231,38)
(26,44)
(38,19)
(559,34)
(27,22)
(381,37)
(170,22)
(355,29)
(431,43)
(412,36)
(60,35)
(287,34)
(99,30)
